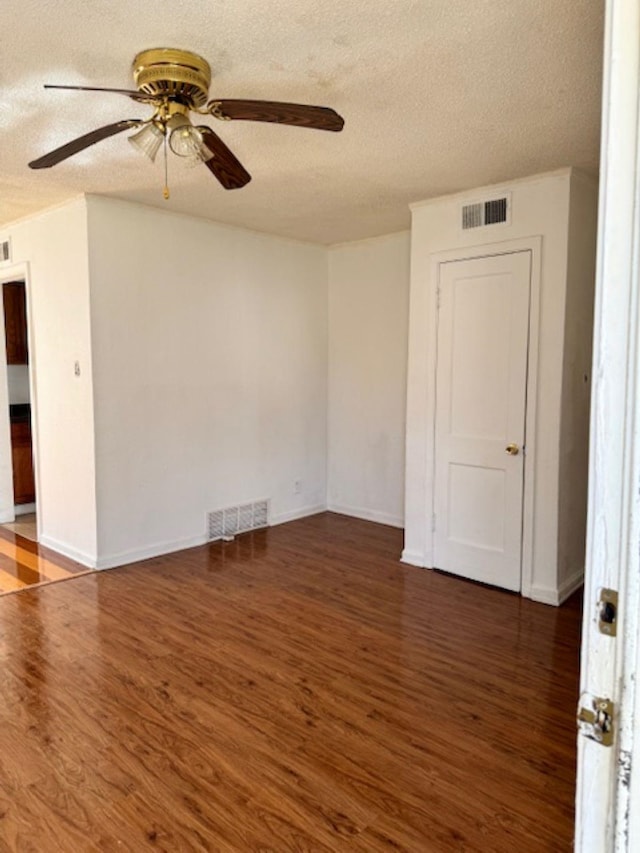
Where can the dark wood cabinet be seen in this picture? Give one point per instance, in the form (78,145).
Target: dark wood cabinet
(15,322)
(24,491)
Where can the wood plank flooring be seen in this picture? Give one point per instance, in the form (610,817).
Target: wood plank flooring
(24,563)
(295,690)
(24,525)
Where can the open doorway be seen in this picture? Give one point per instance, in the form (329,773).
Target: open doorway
(19,405)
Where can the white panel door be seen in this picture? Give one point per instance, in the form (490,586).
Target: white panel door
(481,381)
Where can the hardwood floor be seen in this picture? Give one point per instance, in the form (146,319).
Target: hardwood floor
(298,689)
(24,525)
(24,563)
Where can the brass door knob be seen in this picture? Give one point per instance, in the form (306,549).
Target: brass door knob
(512,449)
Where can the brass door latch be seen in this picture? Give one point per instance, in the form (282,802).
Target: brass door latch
(608,612)
(595,718)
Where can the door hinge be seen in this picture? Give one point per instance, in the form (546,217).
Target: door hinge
(608,612)
(595,718)
(438,298)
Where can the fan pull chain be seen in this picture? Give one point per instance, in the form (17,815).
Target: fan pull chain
(165,191)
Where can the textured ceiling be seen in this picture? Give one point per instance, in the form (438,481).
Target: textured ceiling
(438,96)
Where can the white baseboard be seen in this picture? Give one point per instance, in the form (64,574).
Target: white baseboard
(24,509)
(19,509)
(67,551)
(135,555)
(555,596)
(572,583)
(123,558)
(544,595)
(368,515)
(413,558)
(294,514)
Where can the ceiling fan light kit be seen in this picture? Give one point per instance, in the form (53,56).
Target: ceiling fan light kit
(185,140)
(148,140)
(175,83)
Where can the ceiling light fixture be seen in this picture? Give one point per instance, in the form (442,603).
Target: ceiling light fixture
(148,140)
(175,83)
(185,140)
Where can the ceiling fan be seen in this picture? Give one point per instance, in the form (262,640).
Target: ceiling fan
(176,83)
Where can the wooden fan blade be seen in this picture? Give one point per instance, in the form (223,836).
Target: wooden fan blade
(81,143)
(131,93)
(224,164)
(300,115)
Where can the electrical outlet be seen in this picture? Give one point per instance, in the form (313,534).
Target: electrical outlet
(297,487)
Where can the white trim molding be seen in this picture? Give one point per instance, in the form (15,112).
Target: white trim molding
(136,555)
(24,509)
(608,790)
(556,596)
(368,515)
(413,558)
(124,558)
(66,551)
(294,514)
(571,585)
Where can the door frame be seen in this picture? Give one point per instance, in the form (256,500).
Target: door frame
(21,272)
(533,245)
(608,779)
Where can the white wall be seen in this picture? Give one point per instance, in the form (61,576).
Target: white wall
(210,375)
(51,251)
(213,350)
(576,382)
(540,207)
(368,327)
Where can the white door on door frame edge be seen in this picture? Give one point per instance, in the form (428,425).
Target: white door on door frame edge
(481,381)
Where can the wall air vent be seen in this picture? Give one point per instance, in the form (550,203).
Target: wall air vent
(472,216)
(5,251)
(481,213)
(229,522)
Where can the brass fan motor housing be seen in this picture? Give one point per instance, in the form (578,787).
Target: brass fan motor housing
(169,72)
